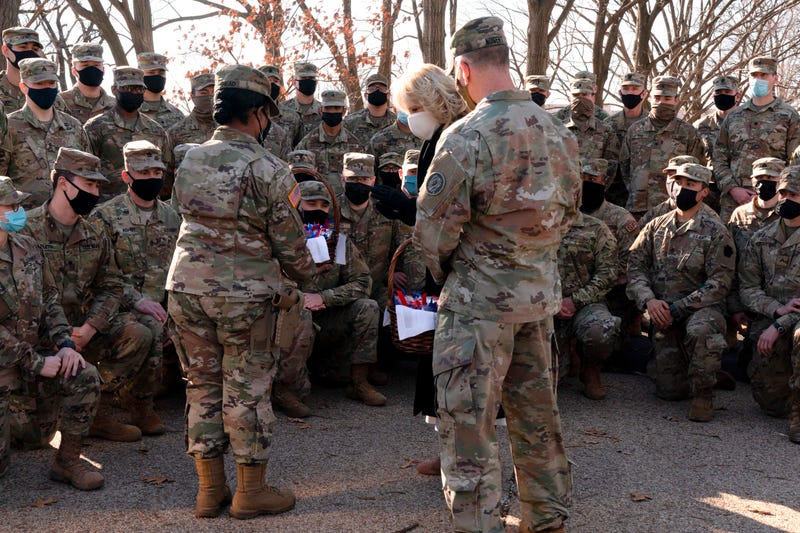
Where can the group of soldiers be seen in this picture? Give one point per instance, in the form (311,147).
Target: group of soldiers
(683,232)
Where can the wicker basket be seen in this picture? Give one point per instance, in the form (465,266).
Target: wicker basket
(421,344)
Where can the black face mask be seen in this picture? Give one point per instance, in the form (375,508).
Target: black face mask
(788,209)
(593,196)
(44,98)
(631,100)
(377,98)
(147,189)
(390,179)
(358,193)
(315,216)
(91,76)
(307,87)
(723,102)
(130,102)
(538,98)
(25,54)
(686,199)
(263,131)
(332,119)
(300,177)
(274,91)
(155,83)
(766,189)
(83,203)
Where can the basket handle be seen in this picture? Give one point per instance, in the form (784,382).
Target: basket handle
(392,267)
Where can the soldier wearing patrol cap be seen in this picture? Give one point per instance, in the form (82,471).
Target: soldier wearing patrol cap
(764,126)
(199,125)
(473,209)
(331,140)
(389,169)
(633,95)
(87,98)
(18,43)
(397,137)
(154,67)
(303,165)
(680,269)
(304,80)
(289,120)
(408,173)
(37,131)
(768,287)
(376,114)
(596,139)
(726,97)
(590,79)
(539,87)
(650,143)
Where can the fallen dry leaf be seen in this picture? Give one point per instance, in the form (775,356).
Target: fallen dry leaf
(409,463)
(671,418)
(295,420)
(143,450)
(42,503)
(591,442)
(305,426)
(157,480)
(368,498)
(640,497)
(601,434)
(759,511)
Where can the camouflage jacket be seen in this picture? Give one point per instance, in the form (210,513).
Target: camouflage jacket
(665,207)
(240,229)
(392,139)
(587,261)
(309,119)
(193,128)
(748,134)
(645,153)
(707,127)
(342,284)
(624,228)
(565,114)
(83,267)
(769,273)
(291,122)
(10,95)
(29,306)
(143,243)
(166,114)
(329,152)
(363,125)
(278,141)
(82,108)
(109,132)
(621,124)
(30,147)
(596,139)
(499,195)
(690,265)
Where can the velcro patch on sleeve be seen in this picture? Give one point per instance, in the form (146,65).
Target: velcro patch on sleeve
(294,196)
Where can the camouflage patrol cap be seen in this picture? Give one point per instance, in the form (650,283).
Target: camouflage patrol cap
(695,173)
(37,69)
(358,164)
(537,81)
(730,83)
(634,78)
(333,98)
(9,195)
(128,76)
(666,86)
(181,149)
(87,52)
(765,64)
(272,71)
(790,179)
(581,86)
(585,75)
(142,155)
(151,61)
(303,69)
(594,167)
(201,81)
(390,158)
(314,190)
(80,163)
(411,159)
(376,78)
(20,35)
(244,77)
(768,166)
(679,160)
(477,34)
(302,159)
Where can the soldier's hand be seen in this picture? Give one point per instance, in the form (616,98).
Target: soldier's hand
(313,302)
(154,309)
(659,313)
(792,306)
(742,195)
(767,341)
(51,366)
(71,361)
(567,309)
(82,335)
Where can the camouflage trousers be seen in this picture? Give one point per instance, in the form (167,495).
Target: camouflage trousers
(151,369)
(225,349)
(595,331)
(477,364)
(690,348)
(292,369)
(773,378)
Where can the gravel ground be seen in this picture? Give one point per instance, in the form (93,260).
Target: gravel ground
(352,469)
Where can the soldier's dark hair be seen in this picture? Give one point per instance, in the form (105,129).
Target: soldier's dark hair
(494,55)
(54,174)
(236,104)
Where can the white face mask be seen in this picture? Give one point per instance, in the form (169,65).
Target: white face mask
(423,125)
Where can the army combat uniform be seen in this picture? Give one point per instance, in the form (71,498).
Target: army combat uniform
(73,100)
(197,127)
(310,114)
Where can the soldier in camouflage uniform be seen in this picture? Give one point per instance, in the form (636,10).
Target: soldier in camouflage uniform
(596,139)
(199,125)
(395,138)
(330,141)
(493,249)
(87,99)
(650,143)
(18,43)
(154,67)
(669,204)
(291,125)
(31,323)
(539,87)
(240,234)
(376,115)
(565,113)
(679,270)
(726,97)
(764,126)
(36,132)
(90,287)
(304,103)
(109,132)
(143,231)
(303,165)
(768,285)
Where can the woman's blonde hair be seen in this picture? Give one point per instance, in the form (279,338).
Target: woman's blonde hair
(431,89)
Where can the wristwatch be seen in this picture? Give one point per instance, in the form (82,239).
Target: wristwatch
(67,344)
(781,329)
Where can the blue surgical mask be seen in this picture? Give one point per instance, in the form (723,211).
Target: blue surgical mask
(15,220)
(410,184)
(760,88)
(402,116)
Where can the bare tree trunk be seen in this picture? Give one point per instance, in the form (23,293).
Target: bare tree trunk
(433,23)
(9,13)
(538,43)
(389,12)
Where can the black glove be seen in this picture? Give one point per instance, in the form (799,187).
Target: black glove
(393,204)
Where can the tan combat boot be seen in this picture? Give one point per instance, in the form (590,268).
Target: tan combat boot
(285,400)
(590,377)
(360,389)
(213,493)
(794,418)
(144,416)
(254,498)
(104,426)
(702,409)
(377,376)
(68,468)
